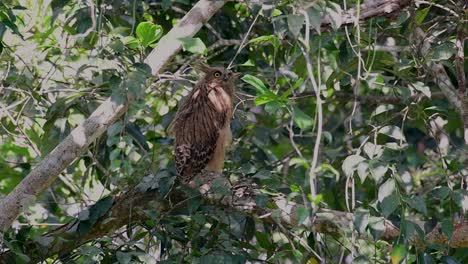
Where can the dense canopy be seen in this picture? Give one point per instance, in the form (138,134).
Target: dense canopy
(350,131)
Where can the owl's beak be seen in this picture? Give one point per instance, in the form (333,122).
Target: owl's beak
(236,75)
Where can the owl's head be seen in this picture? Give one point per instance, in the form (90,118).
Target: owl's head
(217,74)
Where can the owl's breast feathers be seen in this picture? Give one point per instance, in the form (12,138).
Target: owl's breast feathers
(202,130)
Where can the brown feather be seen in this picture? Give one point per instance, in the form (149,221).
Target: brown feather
(202,124)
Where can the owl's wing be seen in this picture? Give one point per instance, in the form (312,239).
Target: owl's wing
(196,128)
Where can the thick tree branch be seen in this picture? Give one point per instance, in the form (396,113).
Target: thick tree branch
(371,8)
(104,116)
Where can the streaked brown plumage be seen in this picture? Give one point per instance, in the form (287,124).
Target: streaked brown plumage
(202,124)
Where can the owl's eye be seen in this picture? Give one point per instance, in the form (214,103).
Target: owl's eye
(217,74)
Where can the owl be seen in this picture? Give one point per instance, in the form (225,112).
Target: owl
(201,126)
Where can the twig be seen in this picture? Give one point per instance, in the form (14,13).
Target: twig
(242,45)
(460,58)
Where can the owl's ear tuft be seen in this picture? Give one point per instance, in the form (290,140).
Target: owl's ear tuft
(202,66)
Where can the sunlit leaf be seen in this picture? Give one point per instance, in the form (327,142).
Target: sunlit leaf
(350,164)
(398,253)
(193,45)
(148,33)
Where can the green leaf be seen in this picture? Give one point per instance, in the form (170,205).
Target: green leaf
(440,192)
(392,131)
(418,203)
(263,174)
(386,189)
(269,38)
(389,204)
(315,19)
(263,240)
(449,260)
(350,164)
(295,23)
(302,213)
(447,227)
(443,52)
(361,219)
(382,109)
(265,98)
(398,253)
(100,208)
(335,14)
(377,169)
(193,45)
(302,120)
(148,33)
(422,88)
(255,82)
(421,15)
(123,257)
(363,171)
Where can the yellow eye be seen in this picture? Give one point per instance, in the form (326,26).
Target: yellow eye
(217,74)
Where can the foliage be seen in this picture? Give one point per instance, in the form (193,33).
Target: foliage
(398,161)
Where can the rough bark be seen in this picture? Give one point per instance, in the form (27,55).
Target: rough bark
(371,8)
(104,116)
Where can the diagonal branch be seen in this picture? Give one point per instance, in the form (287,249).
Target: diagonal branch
(104,116)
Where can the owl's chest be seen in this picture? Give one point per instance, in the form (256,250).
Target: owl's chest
(220,99)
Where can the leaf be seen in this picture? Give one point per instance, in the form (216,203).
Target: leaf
(269,38)
(386,189)
(392,131)
(295,23)
(361,220)
(418,203)
(266,98)
(377,170)
(363,169)
(421,15)
(255,82)
(100,208)
(148,33)
(335,13)
(263,174)
(315,18)
(263,240)
(398,253)
(443,52)
(422,88)
(382,109)
(372,150)
(350,164)
(302,215)
(449,260)
(447,227)
(389,204)
(123,257)
(302,120)
(193,45)
(440,192)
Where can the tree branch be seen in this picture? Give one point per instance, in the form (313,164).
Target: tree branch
(104,116)
(371,8)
